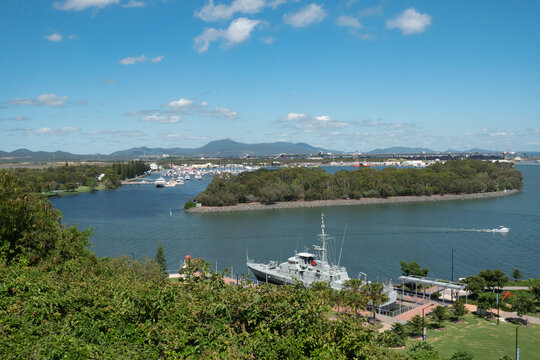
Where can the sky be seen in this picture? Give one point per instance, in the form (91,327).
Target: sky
(97,76)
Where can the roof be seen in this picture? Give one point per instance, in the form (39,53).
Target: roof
(305,254)
(432,282)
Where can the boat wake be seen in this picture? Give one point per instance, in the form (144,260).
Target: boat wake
(502,230)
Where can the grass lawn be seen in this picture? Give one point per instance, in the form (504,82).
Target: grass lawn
(484,339)
(79,190)
(527,282)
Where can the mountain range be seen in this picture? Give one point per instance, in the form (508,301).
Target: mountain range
(218,148)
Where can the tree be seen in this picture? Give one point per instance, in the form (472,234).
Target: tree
(375,295)
(516,274)
(416,324)
(354,295)
(461,355)
(459,309)
(422,351)
(160,259)
(475,284)
(439,315)
(487,300)
(523,305)
(413,269)
(31,230)
(322,291)
(535,289)
(493,278)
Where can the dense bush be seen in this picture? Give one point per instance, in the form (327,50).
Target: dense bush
(291,184)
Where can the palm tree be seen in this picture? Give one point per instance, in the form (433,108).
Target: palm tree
(354,296)
(376,295)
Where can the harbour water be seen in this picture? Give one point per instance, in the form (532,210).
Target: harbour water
(133,219)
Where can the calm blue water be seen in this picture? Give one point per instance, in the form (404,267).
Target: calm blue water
(133,219)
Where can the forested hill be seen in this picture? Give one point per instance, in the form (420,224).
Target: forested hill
(293,184)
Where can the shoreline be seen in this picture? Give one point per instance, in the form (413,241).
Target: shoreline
(351,202)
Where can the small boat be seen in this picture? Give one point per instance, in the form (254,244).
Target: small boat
(160,182)
(501,229)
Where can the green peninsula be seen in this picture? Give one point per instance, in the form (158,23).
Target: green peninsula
(305,184)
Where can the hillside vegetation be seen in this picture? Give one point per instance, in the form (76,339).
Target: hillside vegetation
(293,184)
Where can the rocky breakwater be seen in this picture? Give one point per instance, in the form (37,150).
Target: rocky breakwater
(349,202)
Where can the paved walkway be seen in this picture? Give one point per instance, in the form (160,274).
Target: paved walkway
(506,314)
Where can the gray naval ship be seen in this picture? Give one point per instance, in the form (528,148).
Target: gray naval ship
(309,268)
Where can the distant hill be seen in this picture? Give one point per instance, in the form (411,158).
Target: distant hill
(227,148)
(218,148)
(401,150)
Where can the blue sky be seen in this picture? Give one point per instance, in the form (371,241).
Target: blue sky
(90,76)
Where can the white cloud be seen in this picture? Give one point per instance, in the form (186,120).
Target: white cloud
(310,14)
(311,124)
(238,31)
(48,131)
(133,60)
(294,116)
(180,102)
(223,111)
(54,37)
(348,21)
(211,12)
(410,22)
(162,118)
(49,100)
(157,59)
(80,5)
(110,81)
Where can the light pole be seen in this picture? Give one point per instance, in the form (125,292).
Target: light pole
(517,349)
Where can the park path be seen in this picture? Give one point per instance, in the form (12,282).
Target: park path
(506,314)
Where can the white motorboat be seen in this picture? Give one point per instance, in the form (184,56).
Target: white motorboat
(160,182)
(501,229)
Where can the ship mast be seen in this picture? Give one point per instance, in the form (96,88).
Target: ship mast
(322,235)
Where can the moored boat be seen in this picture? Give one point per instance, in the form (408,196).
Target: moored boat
(309,268)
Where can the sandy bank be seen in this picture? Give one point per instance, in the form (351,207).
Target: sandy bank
(354,202)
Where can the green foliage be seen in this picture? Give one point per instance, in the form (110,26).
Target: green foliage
(535,289)
(121,308)
(516,274)
(439,314)
(487,300)
(354,295)
(416,325)
(31,229)
(493,278)
(475,284)
(128,170)
(69,177)
(375,295)
(523,305)
(160,259)
(461,355)
(459,309)
(291,184)
(422,351)
(413,269)
(189,204)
